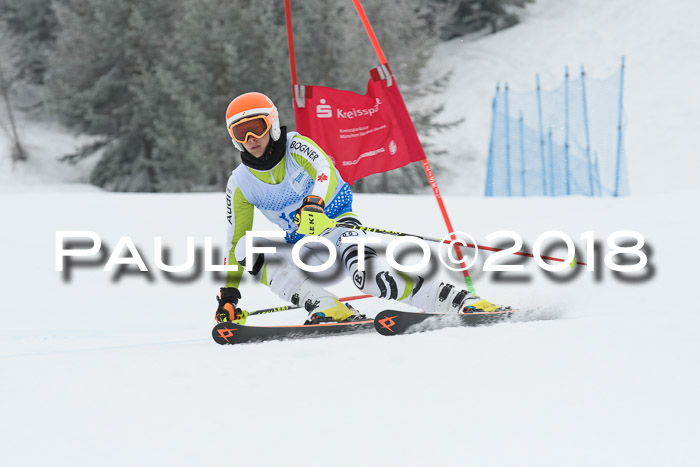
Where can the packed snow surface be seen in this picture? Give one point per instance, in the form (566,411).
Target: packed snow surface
(125,371)
(106,369)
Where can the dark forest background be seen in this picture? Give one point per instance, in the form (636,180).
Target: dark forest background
(150,80)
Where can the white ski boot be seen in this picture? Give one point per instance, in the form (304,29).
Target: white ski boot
(451,300)
(323,306)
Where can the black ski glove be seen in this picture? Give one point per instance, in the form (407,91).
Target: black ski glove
(227,311)
(311,203)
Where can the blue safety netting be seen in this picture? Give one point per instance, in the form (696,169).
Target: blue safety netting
(566,141)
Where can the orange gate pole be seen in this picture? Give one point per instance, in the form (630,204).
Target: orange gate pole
(426,165)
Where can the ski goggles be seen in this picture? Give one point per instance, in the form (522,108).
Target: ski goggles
(255,127)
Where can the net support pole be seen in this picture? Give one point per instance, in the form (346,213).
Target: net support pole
(522,155)
(490,165)
(551,163)
(507,122)
(426,165)
(619,132)
(539,116)
(567,172)
(588,134)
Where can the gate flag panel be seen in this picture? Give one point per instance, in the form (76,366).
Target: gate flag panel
(362,134)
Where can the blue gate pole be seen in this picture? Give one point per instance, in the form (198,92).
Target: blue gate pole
(489,169)
(539,114)
(619,132)
(566,142)
(551,164)
(507,142)
(588,136)
(522,154)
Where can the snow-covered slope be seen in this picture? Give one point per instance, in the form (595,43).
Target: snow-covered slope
(125,373)
(98,369)
(660,42)
(45,142)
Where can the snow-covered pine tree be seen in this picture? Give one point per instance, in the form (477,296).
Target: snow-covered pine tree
(331,46)
(220,49)
(8,77)
(104,50)
(32,25)
(476,15)
(205,64)
(152,79)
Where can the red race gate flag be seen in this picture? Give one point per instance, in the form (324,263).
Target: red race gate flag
(362,134)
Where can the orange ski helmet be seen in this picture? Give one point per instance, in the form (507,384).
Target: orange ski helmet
(252,114)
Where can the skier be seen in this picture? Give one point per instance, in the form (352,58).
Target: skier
(292,181)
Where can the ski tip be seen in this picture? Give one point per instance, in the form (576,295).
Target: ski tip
(385,324)
(223,333)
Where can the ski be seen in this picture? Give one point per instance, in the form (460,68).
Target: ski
(230,333)
(393,322)
(386,323)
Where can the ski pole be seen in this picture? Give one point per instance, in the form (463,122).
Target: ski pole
(439,240)
(294,307)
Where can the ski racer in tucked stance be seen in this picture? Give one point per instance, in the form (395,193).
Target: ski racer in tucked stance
(292,181)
